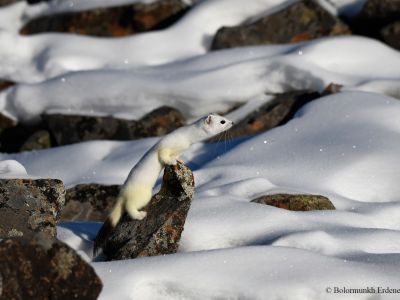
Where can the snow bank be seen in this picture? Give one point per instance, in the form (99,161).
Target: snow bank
(230,76)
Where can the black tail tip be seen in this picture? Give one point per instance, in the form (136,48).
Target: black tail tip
(101,238)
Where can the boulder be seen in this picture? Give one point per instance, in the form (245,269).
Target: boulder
(44,268)
(68,129)
(301,21)
(274,113)
(391,34)
(111,21)
(379,19)
(30,206)
(296,202)
(4,84)
(38,140)
(7,2)
(89,202)
(160,232)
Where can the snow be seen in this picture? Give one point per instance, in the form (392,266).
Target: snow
(344,146)
(231,77)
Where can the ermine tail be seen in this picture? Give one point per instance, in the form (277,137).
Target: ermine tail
(108,225)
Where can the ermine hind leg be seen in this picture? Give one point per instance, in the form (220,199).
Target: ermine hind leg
(137,198)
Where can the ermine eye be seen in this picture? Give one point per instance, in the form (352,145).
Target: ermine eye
(223,122)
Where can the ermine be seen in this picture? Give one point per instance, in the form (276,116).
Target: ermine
(136,192)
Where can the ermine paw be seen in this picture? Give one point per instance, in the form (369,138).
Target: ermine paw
(140,215)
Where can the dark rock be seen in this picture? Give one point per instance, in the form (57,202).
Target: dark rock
(6,122)
(161,121)
(379,19)
(89,202)
(68,129)
(5,84)
(301,21)
(12,138)
(111,21)
(44,268)
(296,202)
(391,35)
(38,140)
(158,233)
(30,206)
(7,2)
(274,113)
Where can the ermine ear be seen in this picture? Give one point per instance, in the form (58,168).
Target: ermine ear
(208,120)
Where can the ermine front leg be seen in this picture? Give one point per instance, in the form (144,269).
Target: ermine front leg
(168,157)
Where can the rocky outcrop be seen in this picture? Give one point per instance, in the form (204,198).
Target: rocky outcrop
(30,206)
(68,129)
(158,233)
(296,202)
(112,21)
(89,202)
(44,268)
(301,21)
(379,19)
(5,84)
(274,113)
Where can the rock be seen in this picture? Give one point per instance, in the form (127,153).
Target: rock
(6,122)
(162,120)
(68,129)
(112,21)
(38,140)
(5,83)
(274,113)
(379,19)
(14,136)
(44,268)
(301,21)
(30,206)
(296,202)
(89,202)
(391,35)
(159,233)
(7,2)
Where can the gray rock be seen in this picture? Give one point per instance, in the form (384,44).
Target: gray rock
(30,206)
(296,202)
(301,21)
(89,202)
(44,268)
(158,233)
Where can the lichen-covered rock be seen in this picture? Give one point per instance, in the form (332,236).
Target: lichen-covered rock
(111,21)
(30,206)
(296,202)
(68,129)
(38,140)
(158,233)
(274,113)
(89,202)
(301,21)
(44,268)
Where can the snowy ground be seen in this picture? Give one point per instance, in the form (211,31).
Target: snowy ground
(345,146)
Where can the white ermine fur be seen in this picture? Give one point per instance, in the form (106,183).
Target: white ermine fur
(137,189)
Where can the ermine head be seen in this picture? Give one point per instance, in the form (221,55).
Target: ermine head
(214,124)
